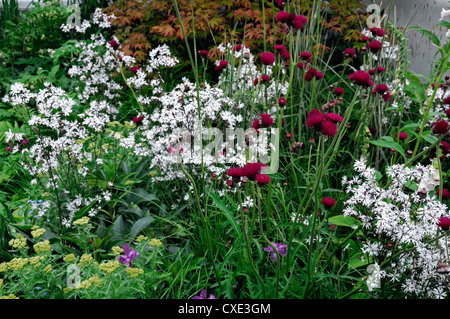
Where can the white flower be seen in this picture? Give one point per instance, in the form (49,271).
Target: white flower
(444,14)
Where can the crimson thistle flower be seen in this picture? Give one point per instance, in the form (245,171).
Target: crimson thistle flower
(440,127)
(374,46)
(444,223)
(267,58)
(361,78)
(262,179)
(328,202)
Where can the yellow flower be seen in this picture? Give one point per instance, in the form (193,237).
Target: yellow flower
(95,280)
(117,250)
(70,258)
(1,283)
(134,272)
(37,232)
(141,238)
(3,267)
(67,290)
(17,263)
(19,242)
(85,259)
(11,296)
(155,242)
(109,266)
(84,284)
(42,247)
(47,269)
(81,221)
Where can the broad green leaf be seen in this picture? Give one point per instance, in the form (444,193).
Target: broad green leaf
(140,224)
(388,142)
(433,38)
(228,214)
(341,220)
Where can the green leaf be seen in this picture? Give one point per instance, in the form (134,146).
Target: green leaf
(140,224)
(433,38)
(228,214)
(141,195)
(341,220)
(388,142)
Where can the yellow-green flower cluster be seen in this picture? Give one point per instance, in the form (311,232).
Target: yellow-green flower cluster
(18,242)
(47,269)
(109,266)
(134,272)
(37,232)
(70,258)
(1,283)
(36,261)
(17,263)
(86,284)
(42,247)
(85,259)
(155,242)
(141,238)
(3,267)
(82,221)
(11,296)
(117,250)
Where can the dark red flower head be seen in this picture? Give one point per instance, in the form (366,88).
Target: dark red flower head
(447,100)
(361,77)
(203,53)
(285,55)
(279,48)
(265,78)
(444,223)
(377,31)
(250,170)
(282,16)
(329,128)
(374,46)
(315,118)
(255,124)
(334,117)
(305,55)
(114,44)
(440,127)
(445,193)
(328,202)
(350,52)
(138,120)
(339,91)
(402,136)
(266,120)
(135,69)
(282,101)
(267,58)
(262,179)
(298,22)
(223,64)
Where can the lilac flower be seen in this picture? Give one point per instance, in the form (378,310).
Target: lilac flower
(203,295)
(129,255)
(280,248)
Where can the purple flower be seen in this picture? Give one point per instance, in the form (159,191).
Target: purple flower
(129,255)
(280,248)
(203,295)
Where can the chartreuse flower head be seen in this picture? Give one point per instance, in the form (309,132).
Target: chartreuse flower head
(17,263)
(19,242)
(155,242)
(81,221)
(70,258)
(85,259)
(37,231)
(47,269)
(11,296)
(42,247)
(141,238)
(134,272)
(109,266)
(116,250)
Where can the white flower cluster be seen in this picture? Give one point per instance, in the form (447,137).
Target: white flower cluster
(398,216)
(437,111)
(100,19)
